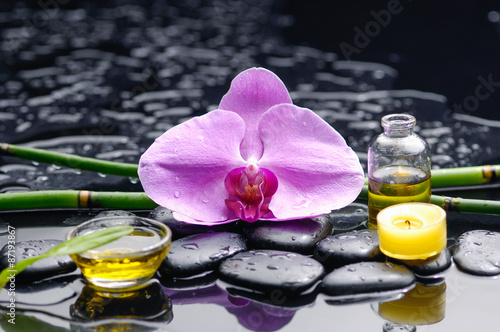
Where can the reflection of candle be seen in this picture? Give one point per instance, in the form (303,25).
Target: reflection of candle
(412,230)
(422,305)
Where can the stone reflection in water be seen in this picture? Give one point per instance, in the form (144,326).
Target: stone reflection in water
(260,317)
(253,315)
(393,327)
(422,305)
(144,309)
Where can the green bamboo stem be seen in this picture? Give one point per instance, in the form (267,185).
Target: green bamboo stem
(69,160)
(465,176)
(52,199)
(456,204)
(447,177)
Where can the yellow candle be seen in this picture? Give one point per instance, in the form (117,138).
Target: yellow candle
(423,305)
(412,230)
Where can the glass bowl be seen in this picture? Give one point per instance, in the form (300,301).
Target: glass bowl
(127,262)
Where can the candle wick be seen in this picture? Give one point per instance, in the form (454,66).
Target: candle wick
(408,223)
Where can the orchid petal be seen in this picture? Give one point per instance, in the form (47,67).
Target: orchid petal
(184,169)
(317,171)
(251,94)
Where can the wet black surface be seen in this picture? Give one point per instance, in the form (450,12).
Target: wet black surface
(103,79)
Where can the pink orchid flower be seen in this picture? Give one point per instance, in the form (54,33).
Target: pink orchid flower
(256,157)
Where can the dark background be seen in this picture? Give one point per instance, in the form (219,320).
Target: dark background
(436,46)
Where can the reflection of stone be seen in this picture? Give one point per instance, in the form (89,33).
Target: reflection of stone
(421,305)
(261,317)
(147,306)
(253,315)
(393,327)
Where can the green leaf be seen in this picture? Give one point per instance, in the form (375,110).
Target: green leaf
(75,245)
(89,241)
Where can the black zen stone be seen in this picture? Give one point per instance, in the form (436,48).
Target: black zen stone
(198,253)
(180,229)
(367,277)
(431,266)
(346,248)
(478,252)
(271,271)
(349,217)
(292,235)
(43,268)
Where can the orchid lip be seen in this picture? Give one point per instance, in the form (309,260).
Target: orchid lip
(251,189)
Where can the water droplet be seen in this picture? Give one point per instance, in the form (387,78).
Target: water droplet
(205,201)
(190,246)
(300,205)
(215,256)
(272,267)
(42,178)
(294,238)
(351,269)
(347,237)
(177,194)
(29,252)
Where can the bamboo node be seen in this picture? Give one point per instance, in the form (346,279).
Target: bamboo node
(5,147)
(488,173)
(83,198)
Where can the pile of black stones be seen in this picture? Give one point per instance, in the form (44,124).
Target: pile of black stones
(291,261)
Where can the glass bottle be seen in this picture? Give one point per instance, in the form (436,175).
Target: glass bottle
(399,166)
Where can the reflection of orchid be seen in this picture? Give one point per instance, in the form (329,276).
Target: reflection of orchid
(257,157)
